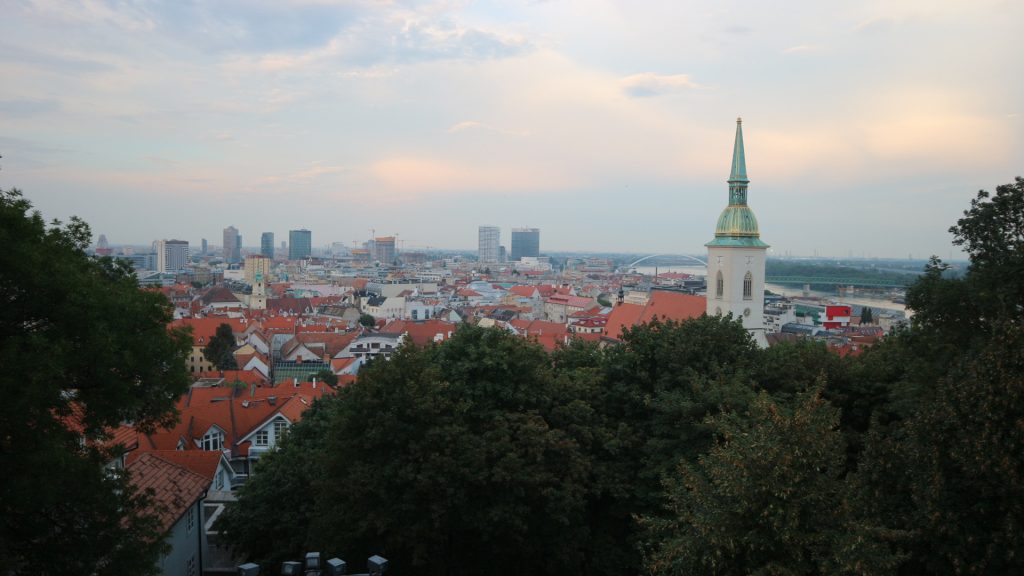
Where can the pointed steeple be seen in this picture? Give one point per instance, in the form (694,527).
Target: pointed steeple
(737,225)
(739,160)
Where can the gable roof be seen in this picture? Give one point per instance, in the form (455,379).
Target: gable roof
(174,487)
(201,462)
(218,294)
(662,304)
(203,329)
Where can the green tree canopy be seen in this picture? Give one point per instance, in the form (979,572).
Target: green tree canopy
(78,341)
(367,321)
(220,349)
(769,498)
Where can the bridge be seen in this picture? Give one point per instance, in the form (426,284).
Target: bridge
(652,256)
(865,282)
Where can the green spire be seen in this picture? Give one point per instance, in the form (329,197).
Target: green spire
(739,160)
(737,225)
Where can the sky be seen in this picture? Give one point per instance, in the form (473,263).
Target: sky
(869,125)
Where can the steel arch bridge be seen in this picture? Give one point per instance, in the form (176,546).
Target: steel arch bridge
(693,258)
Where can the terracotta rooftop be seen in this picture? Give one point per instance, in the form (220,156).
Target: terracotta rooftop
(174,488)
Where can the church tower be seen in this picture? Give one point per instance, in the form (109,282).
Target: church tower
(258,300)
(736,256)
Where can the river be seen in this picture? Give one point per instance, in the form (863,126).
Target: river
(791,291)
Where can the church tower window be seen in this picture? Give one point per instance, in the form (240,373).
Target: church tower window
(748,286)
(720,285)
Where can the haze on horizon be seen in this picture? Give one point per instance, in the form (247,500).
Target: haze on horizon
(869,125)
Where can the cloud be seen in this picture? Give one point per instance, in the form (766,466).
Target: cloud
(53,62)
(27,108)
(650,84)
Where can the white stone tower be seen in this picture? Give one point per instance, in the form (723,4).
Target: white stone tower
(736,256)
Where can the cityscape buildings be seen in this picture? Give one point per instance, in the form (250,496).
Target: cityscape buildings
(525,242)
(489,242)
(267,245)
(232,245)
(300,244)
(257,265)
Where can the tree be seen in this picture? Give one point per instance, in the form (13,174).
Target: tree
(220,349)
(866,316)
(367,321)
(325,376)
(83,350)
(952,475)
(460,458)
(757,502)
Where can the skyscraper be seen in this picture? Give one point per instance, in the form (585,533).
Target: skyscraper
(171,255)
(232,245)
(490,240)
(204,247)
(525,242)
(736,257)
(300,244)
(267,245)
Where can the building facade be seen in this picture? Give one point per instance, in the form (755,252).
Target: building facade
(300,244)
(489,244)
(171,255)
(736,256)
(525,242)
(232,245)
(384,249)
(256,265)
(267,244)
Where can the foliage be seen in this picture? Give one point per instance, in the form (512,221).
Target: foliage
(459,458)
(367,321)
(79,342)
(325,376)
(866,315)
(754,504)
(954,474)
(220,349)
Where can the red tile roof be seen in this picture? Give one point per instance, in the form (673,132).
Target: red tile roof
(201,462)
(174,487)
(663,304)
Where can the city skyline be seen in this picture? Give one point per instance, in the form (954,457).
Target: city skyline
(603,125)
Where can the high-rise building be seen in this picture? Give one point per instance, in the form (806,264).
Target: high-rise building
(300,244)
(256,264)
(267,245)
(489,242)
(384,249)
(232,245)
(525,242)
(171,255)
(736,257)
(205,247)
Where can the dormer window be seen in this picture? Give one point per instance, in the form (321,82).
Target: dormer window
(263,438)
(280,427)
(213,440)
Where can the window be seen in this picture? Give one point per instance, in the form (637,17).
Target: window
(263,438)
(190,566)
(719,285)
(280,427)
(190,519)
(218,482)
(213,440)
(415,314)
(748,286)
